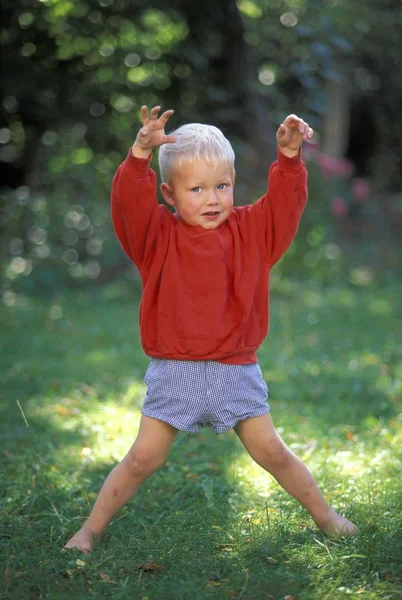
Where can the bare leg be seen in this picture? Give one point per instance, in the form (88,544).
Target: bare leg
(146,455)
(267,448)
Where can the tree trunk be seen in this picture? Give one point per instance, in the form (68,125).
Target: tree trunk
(337,120)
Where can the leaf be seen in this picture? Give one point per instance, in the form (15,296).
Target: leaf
(7,576)
(63,410)
(69,573)
(225,547)
(105,577)
(150,567)
(87,389)
(80,563)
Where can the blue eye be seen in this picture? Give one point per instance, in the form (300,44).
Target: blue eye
(196,189)
(221,186)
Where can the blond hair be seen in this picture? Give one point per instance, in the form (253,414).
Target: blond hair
(195,141)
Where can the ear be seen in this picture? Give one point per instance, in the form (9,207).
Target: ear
(168,194)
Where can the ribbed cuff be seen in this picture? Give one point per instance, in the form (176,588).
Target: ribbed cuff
(290,165)
(135,167)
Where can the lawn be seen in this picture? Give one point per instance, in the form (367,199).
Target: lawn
(210,523)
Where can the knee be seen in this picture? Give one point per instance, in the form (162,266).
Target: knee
(274,457)
(141,463)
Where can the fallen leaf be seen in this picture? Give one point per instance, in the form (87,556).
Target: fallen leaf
(68,573)
(7,574)
(249,517)
(87,389)
(150,567)
(80,563)
(63,410)
(105,577)
(226,547)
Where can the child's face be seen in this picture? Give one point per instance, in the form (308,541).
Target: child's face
(201,193)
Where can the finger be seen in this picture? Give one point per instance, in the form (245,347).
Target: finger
(154,113)
(169,139)
(281,130)
(144,114)
(292,121)
(302,128)
(166,116)
(310,133)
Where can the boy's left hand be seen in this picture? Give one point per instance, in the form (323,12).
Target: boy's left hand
(291,135)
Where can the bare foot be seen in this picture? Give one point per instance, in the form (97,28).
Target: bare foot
(337,526)
(83,540)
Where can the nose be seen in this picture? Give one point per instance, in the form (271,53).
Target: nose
(212,199)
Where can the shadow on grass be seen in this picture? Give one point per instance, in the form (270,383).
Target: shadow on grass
(210,529)
(195,518)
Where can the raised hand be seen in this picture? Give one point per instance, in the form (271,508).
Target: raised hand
(291,135)
(152,133)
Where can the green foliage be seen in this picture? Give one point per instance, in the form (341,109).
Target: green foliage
(76,73)
(216,523)
(348,231)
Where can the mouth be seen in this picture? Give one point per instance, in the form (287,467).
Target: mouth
(211,215)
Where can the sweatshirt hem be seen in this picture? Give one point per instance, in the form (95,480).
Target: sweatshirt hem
(243,358)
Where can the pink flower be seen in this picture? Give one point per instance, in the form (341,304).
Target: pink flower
(361,188)
(334,167)
(339,208)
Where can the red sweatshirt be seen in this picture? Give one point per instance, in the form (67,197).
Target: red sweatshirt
(205,292)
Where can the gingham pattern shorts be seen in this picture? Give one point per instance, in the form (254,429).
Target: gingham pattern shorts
(192,394)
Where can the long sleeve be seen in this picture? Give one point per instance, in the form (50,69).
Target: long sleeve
(280,209)
(134,209)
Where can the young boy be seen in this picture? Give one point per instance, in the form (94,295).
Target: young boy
(204,308)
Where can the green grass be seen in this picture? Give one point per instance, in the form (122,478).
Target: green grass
(216,524)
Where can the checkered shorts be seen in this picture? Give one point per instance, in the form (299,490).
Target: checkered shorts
(192,394)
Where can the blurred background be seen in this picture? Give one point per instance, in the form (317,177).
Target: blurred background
(75,73)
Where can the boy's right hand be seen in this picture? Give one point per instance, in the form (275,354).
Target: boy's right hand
(152,133)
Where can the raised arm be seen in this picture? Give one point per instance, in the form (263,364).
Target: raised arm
(280,209)
(134,206)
